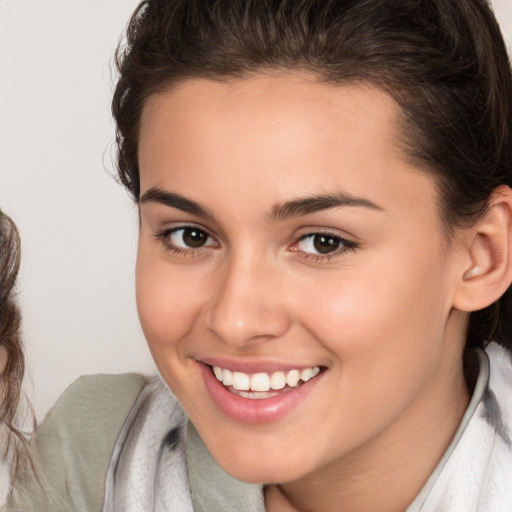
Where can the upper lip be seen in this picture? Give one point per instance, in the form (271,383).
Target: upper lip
(251,367)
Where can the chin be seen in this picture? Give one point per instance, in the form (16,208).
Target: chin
(276,469)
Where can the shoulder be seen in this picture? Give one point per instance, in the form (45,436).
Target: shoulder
(72,448)
(92,400)
(86,420)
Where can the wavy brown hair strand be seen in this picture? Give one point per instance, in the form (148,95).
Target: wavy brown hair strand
(12,363)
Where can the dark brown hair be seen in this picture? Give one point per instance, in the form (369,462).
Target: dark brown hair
(443,61)
(11,351)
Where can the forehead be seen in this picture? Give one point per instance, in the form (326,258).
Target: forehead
(284,134)
(267,102)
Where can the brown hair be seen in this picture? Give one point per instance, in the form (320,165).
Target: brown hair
(443,61)
(11,351)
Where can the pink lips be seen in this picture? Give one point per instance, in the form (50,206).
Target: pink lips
(246,410)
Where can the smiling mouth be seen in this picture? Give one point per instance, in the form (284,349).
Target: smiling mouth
(262,385)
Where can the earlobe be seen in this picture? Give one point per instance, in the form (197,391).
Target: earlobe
(489,271)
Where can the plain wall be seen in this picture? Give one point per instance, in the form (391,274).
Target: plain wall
(78,227)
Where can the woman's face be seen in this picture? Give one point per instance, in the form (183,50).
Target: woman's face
(287,242)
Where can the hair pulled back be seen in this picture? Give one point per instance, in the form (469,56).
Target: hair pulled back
(443,61)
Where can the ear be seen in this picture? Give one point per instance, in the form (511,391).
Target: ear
(487,271)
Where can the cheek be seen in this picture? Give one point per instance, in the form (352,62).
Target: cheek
(378,325)
(384,317)
(167,303)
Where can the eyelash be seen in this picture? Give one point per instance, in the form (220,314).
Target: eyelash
(164,235)
(345,245)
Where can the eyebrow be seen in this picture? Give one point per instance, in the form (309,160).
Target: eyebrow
(294,208)
(157,195)
(308,205)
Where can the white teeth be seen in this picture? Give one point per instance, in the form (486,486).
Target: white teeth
(241,381)
(260,382)
(227,378)
(293,377)
(309,373)
(264,382)
(278,380)
(306,374)
(219,373)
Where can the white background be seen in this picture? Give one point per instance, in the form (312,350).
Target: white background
(78,227)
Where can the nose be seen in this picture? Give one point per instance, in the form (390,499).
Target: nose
(247,304)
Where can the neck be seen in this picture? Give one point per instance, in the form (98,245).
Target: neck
(387,472)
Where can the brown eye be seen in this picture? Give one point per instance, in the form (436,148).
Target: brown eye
(194,238)
(188,238)
(325,244)
(319,243)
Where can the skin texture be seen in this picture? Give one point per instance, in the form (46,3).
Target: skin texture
(379,317)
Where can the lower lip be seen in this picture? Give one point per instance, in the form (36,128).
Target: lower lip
(256,411)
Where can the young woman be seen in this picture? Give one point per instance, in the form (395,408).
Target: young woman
(11,353)
(323,268)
